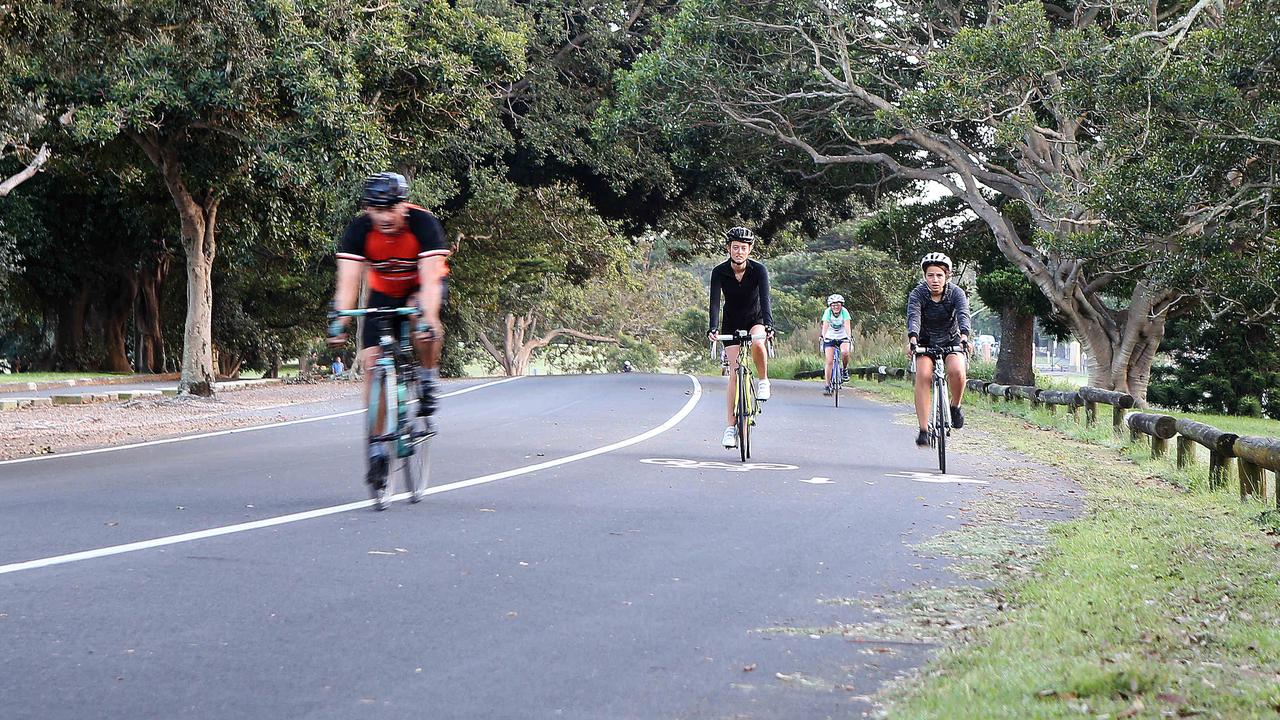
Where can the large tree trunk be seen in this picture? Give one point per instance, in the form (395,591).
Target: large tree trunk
(115,320)
(1121,351)
(199,239)
(229,365)
(149,346)
(69,339)
(1014,365)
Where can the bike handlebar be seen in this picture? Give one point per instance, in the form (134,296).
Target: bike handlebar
(924,350)
(367,312)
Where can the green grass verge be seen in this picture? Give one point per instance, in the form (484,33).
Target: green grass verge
(52,376)
(1154,602)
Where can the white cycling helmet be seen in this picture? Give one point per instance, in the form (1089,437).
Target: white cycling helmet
(832,299)
(935,258)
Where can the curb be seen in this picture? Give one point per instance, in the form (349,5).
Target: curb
(7,387)
(88,398)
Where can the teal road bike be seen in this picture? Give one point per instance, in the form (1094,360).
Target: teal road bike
(405,437)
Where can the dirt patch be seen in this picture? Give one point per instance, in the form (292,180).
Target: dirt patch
(45,430)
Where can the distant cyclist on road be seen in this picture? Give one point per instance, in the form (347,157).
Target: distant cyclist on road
(835,338)
(937,316)
(402,246)
(745,286)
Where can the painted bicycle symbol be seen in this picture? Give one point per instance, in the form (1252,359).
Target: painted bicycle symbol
(715,465)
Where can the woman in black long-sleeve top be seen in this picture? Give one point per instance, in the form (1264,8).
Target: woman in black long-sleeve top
(744,283)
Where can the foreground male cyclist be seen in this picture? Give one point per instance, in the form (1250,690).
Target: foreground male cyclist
(745,286)
(402,246)
(937,316)
(835,337)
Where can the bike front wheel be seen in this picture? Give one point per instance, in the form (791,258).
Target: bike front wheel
(941,423)
(382,418)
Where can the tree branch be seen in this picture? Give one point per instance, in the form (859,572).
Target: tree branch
(27,173)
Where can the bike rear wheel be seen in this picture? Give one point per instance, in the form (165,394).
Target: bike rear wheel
(382,407)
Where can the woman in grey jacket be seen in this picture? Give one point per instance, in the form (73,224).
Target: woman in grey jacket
(937,316)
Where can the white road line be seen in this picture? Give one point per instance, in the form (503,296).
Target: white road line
(233,431)
(347,507)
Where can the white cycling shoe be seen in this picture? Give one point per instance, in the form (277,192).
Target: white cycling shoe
(762,392)
(730,439)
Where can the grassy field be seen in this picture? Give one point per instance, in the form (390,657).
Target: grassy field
(1156,601)
(52,376)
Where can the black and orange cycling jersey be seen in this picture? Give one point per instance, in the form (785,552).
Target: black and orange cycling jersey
(393,259)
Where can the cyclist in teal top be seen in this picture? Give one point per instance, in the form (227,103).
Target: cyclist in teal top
(835,336)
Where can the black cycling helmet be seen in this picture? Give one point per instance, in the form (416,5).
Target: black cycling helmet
(384,190)
(739,234)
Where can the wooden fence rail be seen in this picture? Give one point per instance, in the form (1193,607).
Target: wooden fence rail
(1221,446)
(1253,456)
(1160,428)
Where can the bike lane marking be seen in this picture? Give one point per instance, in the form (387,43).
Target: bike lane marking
(717,465)
(233,431)
(928,477)
(348,507)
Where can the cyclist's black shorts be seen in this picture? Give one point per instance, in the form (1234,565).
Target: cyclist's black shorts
(369,336)
(731,325)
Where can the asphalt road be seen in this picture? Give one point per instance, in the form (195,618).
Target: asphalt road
(630,582)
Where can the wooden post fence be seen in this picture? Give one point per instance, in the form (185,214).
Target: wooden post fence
(1255,455)
(1221,446)
(1118,400)
(1161,429)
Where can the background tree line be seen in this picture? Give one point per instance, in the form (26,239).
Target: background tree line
(1107,170)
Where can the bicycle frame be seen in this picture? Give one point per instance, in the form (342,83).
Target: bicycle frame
(394,358)
(393,385)
(745,404)
(939,423)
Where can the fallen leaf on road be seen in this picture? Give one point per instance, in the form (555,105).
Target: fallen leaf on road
(513,614)
(487,510)
(380,552)
(748,668)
